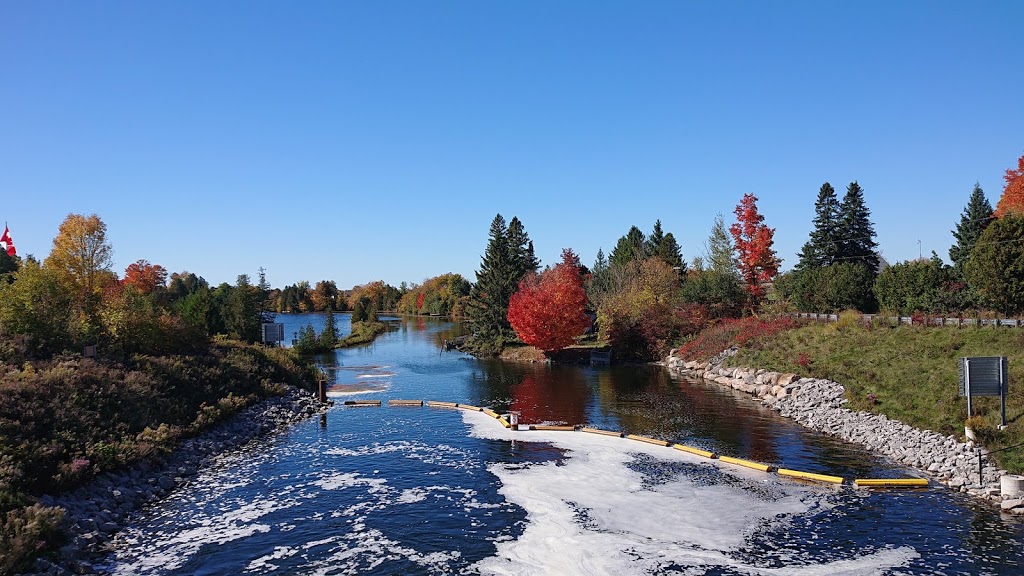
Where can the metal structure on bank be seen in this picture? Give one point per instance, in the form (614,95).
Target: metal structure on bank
(985,376)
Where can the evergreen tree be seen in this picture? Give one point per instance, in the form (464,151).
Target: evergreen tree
(329,337)
(825,241)
(670,252)
(655,239)
(632,246)
(243,315)
(523,260)
(600,279)
(976,217)
(487,308)
(858,233)
(720,250)
(996,266)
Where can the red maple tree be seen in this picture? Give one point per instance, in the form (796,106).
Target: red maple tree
(1012,200)
(145,277)
(547,311)
(757,262)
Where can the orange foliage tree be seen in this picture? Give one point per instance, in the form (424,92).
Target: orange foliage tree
(757,262)
(145,277)
(1012,201)
(547,311)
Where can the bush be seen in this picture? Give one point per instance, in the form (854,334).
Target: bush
(734,332)
(828,289)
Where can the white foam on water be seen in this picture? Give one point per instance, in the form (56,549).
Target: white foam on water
(264,563)
(339,480)
(593,514)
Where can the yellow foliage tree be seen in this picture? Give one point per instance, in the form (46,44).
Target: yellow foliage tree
(81,256)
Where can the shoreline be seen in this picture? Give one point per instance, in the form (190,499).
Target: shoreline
(95,513)
(819,405)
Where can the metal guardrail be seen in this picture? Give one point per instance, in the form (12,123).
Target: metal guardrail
(959,322)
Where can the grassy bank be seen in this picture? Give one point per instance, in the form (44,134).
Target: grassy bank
(363,333)
(67,419)
(907,373)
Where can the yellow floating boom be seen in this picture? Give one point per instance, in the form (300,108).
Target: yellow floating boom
(437,404)
(809,476)
(556,428)
(490,412)
(745,463)
(647,440)
(470,407)
(892,482)
(692,450)
(599,431)
(405,402)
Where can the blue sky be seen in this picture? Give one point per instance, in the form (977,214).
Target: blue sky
(358,141)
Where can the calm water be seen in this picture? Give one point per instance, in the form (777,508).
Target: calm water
(432,491)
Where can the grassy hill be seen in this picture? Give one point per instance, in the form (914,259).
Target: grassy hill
(906,372)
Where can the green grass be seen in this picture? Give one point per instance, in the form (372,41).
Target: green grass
(363,333)
(906,373)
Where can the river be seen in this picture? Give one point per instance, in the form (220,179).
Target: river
(435,491)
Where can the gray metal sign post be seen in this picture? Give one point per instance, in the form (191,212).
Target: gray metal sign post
(985,376)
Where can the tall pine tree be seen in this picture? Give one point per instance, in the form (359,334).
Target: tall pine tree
(632,246)
(857,243)
(824,244)
(665,247)
(520,251)
(508,257)
(976,217)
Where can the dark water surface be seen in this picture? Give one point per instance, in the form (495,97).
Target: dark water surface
(432,491)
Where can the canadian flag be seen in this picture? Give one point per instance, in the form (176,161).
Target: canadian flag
(6,241)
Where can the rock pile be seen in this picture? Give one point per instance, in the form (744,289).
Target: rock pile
(95,512)
(820,405)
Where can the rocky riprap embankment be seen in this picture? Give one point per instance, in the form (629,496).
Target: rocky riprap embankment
(95,512)
(820,405)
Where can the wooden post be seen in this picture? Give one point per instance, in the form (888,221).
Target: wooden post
(322,391)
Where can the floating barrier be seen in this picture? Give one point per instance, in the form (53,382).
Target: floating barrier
(745,463)
(602,432)
(692,450)
(809,476)
(860,482)
(654,441)
(405,402)
(891,482)
(362,402)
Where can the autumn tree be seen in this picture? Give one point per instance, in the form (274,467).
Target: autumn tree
(547,310)
(975,218)
(640,319)
(38,306)
(324,295)
(756,260)
(144,277)
(81,256)
(1012,200)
